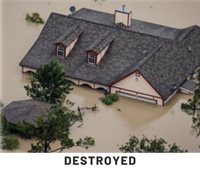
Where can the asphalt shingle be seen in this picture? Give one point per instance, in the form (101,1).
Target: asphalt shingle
(25,110)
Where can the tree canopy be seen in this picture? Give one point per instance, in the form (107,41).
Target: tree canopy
(149,145)
(49,83)
(192,107)
(55,126)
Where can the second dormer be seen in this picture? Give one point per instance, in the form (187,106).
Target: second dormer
(65,43)
(99,48)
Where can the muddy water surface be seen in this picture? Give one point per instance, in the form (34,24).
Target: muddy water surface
(110,125)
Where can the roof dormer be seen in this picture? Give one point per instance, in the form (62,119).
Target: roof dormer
(123,16)
(99,48)
(65,43)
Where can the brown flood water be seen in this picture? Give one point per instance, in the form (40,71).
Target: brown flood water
(109,126)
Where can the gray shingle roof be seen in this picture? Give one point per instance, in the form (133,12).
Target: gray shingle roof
(124,53)
(162,61)
(189,85)
(102,42)
(136,25)
(173,63)
(69,36)
(25,110)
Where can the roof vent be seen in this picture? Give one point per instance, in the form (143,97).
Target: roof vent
(123,8)
(144,51)
(173,87)
(189,49)
(72,9)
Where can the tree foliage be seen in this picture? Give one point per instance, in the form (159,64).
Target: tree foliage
(109,99)
(192,108)
(49,83)
(35,18)
(149,145)
(9,142)
(5,128)
(55,126)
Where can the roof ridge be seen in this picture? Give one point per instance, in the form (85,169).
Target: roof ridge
(110,26)
(145,59)
(136,19)
(67,33)
(90,10)
(188,29)
(105,36)
(113,27)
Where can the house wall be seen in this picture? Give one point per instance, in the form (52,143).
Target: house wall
(70,47)
(92,85)
(129,18)
(123,17)
(137,87)
(131,86)
(101,54)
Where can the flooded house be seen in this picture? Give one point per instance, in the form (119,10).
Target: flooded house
(119,54)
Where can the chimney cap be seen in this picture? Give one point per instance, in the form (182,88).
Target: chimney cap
(123,8)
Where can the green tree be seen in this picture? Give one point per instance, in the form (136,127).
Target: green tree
(55,126)
(192,108)
(49,83)
(149,145)
(9,142)
(34,17)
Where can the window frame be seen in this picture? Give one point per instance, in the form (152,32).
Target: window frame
(91,55)
(60,49)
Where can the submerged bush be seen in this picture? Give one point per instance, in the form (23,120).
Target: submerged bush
(9,143)
(5,126)
(11,128)
(109,99)
(114,97)
(35,18)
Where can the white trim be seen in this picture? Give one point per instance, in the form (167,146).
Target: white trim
(62,50)
(186,91)
(138,97)
(26,69)
(170,96)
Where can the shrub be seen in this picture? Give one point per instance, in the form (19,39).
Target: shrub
(114,97)
(26,132)
(5,128)
(9,143)
(35,18)
(11,128)
(109,99)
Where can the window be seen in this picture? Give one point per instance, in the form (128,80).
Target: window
(60,51)
(91,58)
